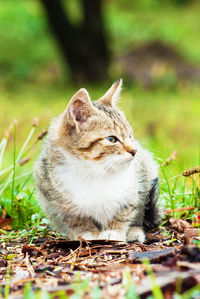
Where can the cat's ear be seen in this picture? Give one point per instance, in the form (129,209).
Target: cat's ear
(79,108)
(112,95)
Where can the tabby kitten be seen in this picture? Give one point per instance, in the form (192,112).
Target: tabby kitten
(94,180)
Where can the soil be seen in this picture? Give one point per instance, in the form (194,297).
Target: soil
(116,269)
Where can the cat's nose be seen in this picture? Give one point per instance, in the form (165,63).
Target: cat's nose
(133,152)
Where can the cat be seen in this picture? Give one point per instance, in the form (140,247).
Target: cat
(94,179)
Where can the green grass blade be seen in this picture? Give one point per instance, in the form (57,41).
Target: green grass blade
(10,178)
(7,285)
(168,188)
(6,169)
(28,293)
(156,290)
(14,164)
(2,150)
(25,144)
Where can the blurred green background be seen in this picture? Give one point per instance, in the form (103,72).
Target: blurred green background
(153,45)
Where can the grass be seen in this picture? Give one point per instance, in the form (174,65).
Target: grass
(16,189)
(7,285)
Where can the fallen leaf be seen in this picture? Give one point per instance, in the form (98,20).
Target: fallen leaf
(9,257)
(179,224)
(5,223)
(31,250)
(190,234)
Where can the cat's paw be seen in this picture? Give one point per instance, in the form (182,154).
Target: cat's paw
(136,234)
(112,235)
(89,236)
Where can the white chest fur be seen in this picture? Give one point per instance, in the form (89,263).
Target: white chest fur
(97,196)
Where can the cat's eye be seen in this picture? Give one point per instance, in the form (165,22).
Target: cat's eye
(112,139)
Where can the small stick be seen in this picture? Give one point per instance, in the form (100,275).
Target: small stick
(179,210)
(29,266)
(87,243)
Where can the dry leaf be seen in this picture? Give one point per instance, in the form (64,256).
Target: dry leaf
(179,224)
(5,223)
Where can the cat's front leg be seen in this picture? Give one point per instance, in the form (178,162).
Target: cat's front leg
(89,236)
(115,235)
(136,234)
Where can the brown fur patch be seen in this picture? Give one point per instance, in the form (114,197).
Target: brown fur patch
(90,146)
(100,156)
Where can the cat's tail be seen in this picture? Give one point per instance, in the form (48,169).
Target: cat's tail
(152,214)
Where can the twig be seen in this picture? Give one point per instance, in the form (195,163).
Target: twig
(179,210)
(29,266)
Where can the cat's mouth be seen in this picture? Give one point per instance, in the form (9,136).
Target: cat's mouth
(109,164)
(120,163)
(127,160)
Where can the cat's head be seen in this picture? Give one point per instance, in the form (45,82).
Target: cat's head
(98,131)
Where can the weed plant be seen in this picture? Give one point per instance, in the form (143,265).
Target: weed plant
(17,191)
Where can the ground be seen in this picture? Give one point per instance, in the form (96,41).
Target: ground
(52,267)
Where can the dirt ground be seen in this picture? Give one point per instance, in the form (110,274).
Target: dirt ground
(114,269)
